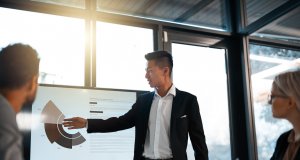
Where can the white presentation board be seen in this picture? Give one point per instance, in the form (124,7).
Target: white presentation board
(51,141)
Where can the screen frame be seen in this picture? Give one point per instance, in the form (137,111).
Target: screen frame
(27,108)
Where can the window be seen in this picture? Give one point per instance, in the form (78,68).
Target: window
(202,72)
(267,62)
(120,56)
(60,42)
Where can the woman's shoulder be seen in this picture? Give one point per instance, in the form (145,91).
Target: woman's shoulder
(285,134)
(283,137)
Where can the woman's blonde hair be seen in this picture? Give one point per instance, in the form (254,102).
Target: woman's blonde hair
(289,84)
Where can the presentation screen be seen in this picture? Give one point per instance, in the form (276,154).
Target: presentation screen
(50,140)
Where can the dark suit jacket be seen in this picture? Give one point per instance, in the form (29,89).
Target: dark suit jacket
(281,146)
(183,104)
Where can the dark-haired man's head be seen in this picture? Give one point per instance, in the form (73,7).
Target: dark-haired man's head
(159,69)
(19,68)
(162,59)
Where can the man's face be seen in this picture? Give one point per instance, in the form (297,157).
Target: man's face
(154,74)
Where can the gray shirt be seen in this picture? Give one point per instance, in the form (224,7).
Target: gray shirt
(10,137)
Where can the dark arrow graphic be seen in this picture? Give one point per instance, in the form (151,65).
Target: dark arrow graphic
(52,118)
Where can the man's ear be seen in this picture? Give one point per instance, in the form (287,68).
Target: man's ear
(32,83)
(166,70)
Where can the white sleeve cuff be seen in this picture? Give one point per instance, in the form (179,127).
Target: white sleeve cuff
(87,124)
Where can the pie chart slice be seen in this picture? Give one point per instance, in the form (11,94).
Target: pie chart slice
(52,118)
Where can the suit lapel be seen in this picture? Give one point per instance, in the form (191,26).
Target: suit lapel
(146,109)
(175,109)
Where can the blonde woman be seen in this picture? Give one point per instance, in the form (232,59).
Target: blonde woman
(285,101)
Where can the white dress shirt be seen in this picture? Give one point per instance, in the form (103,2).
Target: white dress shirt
(157,144)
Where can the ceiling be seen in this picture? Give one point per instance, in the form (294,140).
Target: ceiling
(204,13)
(209,14)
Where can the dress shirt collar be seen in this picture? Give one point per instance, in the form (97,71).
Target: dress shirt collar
(172,91)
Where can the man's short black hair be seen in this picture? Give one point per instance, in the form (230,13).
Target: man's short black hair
(162,59)
(18,64)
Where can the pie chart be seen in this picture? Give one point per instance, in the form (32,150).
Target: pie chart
(52,118)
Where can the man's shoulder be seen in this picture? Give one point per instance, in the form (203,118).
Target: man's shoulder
(8,123)
(178,92)
(184,93)
(146,95)
(6,112)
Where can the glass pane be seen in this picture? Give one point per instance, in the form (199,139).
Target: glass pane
(60,42)
(285,28)
(193,68)
(266,62)
(120,56)
(69,3)
(258,8)
(201,13)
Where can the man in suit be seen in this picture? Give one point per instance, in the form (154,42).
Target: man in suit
(18,83)
(162,119)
